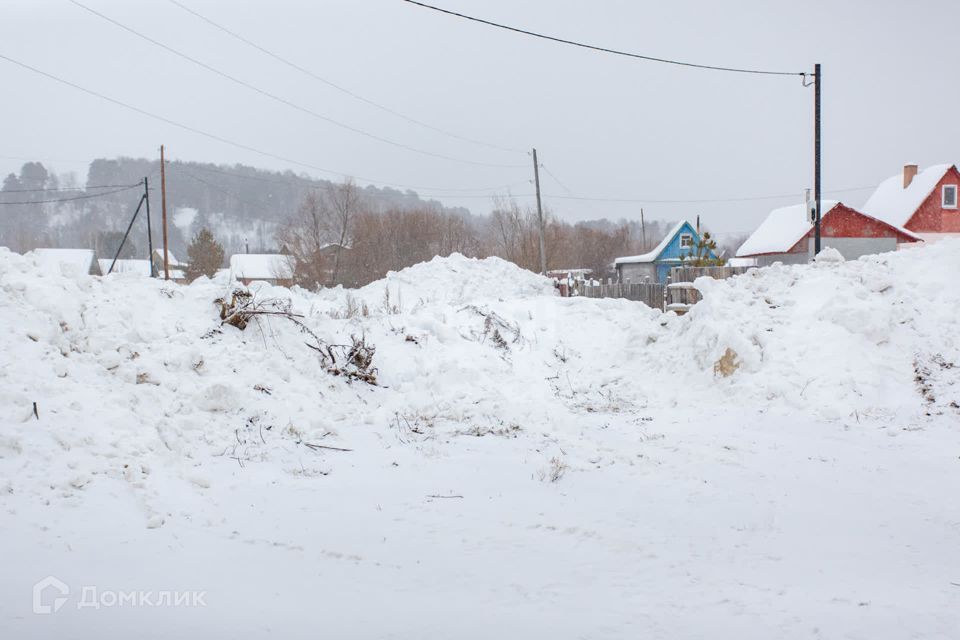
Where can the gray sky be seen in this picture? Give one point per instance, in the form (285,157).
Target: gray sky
(605,126)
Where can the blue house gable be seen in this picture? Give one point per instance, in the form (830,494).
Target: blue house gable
(655,265)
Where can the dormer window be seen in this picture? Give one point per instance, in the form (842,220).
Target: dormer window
(949,196)
(686,239)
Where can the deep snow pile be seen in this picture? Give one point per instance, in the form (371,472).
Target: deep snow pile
(567,462)
(462,346)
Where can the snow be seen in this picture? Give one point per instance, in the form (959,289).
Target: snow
(895,205)
(138,267)
(650,256)
(183,218)
(781,229)
(171,259)
(261,266)
(806,494)
(67,261)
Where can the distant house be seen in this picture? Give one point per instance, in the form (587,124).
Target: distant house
(787,235)
(924,203)
(139,267)
(654,266)
(68,261)
(176,268)
(273,268)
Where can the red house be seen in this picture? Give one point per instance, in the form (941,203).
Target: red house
(787,235)
(924,202)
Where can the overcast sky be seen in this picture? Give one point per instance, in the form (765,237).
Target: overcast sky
(605,126)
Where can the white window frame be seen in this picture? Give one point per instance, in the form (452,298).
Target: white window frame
(943,196)
(688,236)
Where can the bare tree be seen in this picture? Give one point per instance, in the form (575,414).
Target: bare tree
(344,201)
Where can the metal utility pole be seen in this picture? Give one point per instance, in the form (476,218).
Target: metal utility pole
(536,182)
(163,206)
(818,80)
(146,197)
(127,233)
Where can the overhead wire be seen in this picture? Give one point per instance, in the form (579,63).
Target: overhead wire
(333,85)
(283,100)
(605,49)
(201,132)
(83,197)
(56,189)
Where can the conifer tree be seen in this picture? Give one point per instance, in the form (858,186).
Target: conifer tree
(205,255)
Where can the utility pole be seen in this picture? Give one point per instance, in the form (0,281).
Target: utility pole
(146,197)
(536,182)
(818,79)
(643,231)
(163,206)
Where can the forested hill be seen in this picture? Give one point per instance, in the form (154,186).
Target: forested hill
(242,205)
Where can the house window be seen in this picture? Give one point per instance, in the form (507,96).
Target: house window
(686,240)
(949,196)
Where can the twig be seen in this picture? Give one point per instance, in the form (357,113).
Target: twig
(439,496)
(323,446)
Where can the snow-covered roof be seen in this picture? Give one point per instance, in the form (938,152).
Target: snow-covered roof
(139,267)
(781,229)
(261,266)
(75,260)
(171,259)
(895,205)
(650,256)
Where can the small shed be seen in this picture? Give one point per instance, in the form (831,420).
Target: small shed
(68,261)
(176,268)
(273,268)
(654,266)
(787,235)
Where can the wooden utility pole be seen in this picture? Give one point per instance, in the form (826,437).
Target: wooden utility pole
(163,205)
(536,182)
(643,231)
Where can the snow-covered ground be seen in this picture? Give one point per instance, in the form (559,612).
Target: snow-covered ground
(527,466)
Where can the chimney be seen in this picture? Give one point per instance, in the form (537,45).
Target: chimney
(909,173)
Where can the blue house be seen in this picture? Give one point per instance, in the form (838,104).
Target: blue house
(654,266)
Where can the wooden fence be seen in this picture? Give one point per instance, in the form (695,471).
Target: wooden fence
(677,295)
(681,294)
(651,294)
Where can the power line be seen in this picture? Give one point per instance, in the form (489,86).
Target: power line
(55,189)
(700,201)
(605,49)
(311,182)
(84,197)
(282,100)
(333,85)
(310,185)
(200,132)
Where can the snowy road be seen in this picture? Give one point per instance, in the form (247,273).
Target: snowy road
(788,529)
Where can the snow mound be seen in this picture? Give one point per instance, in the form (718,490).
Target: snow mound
(456,279)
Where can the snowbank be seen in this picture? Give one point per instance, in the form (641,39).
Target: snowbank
(127,398)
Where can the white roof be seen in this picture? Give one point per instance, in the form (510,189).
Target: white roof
(261,266)
(650,256)
(781,229)
(895,205)
(75,260)
(171,260)
(139,267)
